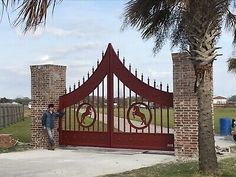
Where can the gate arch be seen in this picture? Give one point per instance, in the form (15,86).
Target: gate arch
(127,114)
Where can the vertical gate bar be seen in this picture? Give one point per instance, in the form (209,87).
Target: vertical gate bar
(65,115)
(88,100)
(78,105)
(155,116)
(155,119)
(136,75)
(142,97)
(74,112)
(161,119)
(124,104)
(69,117)
(98,107)
(130,128)
(161,111)
(74,118)
(168,115)
(110,100)
(93,104)
(168,120)
(93,96)
(70,112)
(148,80)
(103,106)
(124,98)
(118,103)
(83,99)
(142,80)
(136,99)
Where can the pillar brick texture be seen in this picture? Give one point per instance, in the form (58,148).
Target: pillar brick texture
(48,82)
(185,107)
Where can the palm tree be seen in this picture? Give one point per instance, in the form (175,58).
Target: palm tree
(31,13)
(232,65)
(193,26)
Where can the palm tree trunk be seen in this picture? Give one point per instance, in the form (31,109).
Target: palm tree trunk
(207,153)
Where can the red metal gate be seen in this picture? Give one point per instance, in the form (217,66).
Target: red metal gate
(114,108)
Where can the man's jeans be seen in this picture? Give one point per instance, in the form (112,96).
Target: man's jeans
(50,134)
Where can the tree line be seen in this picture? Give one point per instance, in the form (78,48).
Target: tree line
(20,100)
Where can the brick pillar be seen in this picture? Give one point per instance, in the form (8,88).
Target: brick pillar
(185,107)
(47,84)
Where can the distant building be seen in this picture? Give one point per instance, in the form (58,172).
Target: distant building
(29,105)
(219,100)
(14,102)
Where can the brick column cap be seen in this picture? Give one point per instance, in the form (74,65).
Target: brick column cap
(179,55)
(47,65)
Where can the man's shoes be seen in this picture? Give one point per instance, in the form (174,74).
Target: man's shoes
(53,146)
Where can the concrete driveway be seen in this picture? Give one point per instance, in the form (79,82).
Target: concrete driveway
(76,162)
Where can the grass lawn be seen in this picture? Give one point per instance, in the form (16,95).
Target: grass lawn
(227,168)
(20,130)
(220,113)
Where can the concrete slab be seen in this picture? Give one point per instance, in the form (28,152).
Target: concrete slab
(84,162)
(224,141)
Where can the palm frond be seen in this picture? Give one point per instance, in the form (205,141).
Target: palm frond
(232,65)
(31,13)
(152,18)
(230,23)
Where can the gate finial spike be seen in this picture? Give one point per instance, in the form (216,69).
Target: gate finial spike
(102,54)
(118,53)
(93,69)
(167,87)
(88,75)
(123,60)
(130,67)
(69,89)
(78,83)
(154,83)
(83,79)
(142,77)
(97,62)
(74,86)
(148,81)
(161,86)
(136,72)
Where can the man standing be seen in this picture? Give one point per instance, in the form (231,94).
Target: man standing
(48,119)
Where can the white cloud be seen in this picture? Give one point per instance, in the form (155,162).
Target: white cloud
(60,32)
(77,47)
(156,74)
(44,58)
(30,34)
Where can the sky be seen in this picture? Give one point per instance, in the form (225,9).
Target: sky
(76,35)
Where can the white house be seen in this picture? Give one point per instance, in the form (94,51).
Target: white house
(219,100)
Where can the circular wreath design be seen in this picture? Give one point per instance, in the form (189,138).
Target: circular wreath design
(89,110)
(135,108)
